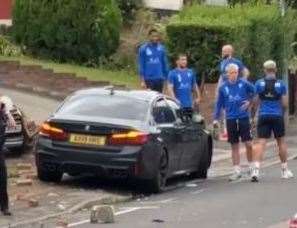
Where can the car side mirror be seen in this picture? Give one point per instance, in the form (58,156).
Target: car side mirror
(179,113)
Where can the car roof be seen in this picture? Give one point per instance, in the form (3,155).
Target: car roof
(144,95)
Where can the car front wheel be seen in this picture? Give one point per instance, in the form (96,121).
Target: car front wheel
(205,161)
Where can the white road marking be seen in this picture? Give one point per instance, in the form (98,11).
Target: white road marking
(198,192)
(143,208)
(159,202)
(117,213)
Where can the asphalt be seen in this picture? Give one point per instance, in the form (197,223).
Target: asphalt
(36,107)
(212,203)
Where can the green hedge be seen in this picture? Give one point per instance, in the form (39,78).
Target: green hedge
(68,30)
(128,9)
(255,31)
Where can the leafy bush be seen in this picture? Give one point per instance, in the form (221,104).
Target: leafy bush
(255,31)
(7,48)
(68,30)
(128,9)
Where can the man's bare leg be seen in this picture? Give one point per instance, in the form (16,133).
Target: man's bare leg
(249,153)
(236,162)
(283,155)
(258,154)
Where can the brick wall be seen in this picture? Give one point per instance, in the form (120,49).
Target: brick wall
(5,9)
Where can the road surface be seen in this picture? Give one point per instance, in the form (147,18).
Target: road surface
(36,107)
(213,203)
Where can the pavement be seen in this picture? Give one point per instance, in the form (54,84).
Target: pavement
(75,194)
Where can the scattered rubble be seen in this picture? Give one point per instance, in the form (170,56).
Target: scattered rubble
(104,214)
(24,166)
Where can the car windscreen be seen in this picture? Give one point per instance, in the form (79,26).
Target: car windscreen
(107,106)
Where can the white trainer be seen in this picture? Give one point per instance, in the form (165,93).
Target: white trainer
(255,174)
(287,174)
(235,176)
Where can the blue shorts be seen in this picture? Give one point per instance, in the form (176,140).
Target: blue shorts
(239,129)
(271,124)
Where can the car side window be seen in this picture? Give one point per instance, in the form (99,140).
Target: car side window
(173,105)
(162,113)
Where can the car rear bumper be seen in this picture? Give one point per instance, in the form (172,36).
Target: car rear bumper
(14,141)
(128,162)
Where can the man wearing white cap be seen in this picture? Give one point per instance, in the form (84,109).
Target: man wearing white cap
(272,101)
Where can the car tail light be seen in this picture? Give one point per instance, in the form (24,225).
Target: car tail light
(129,138)
(53,132)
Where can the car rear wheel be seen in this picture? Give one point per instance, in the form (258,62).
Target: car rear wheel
(158,183)
(47,175)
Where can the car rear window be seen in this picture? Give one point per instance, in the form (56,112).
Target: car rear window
(105,106)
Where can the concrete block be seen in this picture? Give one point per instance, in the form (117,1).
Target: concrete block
(104,214)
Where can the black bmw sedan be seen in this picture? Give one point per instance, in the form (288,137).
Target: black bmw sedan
(127,134)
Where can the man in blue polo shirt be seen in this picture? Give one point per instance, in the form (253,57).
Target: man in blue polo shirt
(235,96)
(228,58)
(182,85)
(272,101)
(153,63)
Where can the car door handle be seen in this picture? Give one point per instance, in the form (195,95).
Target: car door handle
(181,129)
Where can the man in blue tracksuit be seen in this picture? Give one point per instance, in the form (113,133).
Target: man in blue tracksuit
(182,85)
(228,58)
(153,63)
(272,102)
(235,96)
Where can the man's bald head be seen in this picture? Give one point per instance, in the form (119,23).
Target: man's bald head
(227,51)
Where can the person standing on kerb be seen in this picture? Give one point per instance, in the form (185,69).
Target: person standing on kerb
(235,97)
(182,86)
(153,63)
(272,102)
(6,120)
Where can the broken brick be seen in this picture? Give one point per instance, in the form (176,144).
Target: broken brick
(24,182)
(33,203)
(61,224)
(104,213)
(24,166)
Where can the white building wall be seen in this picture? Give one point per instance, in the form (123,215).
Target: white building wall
(5,22)
(164,4)
(217,2)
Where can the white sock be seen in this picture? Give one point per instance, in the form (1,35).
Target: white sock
(237,169)
(251,165)
(284,165)
(257,164)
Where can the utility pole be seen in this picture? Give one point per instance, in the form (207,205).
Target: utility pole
(283,8)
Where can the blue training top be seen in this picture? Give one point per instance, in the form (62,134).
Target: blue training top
(152,61)
(271,107)
(231,97)
(225,62)
(183,81)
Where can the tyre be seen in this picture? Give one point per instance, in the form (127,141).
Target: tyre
(47,175)
(205,161)
(158,183)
